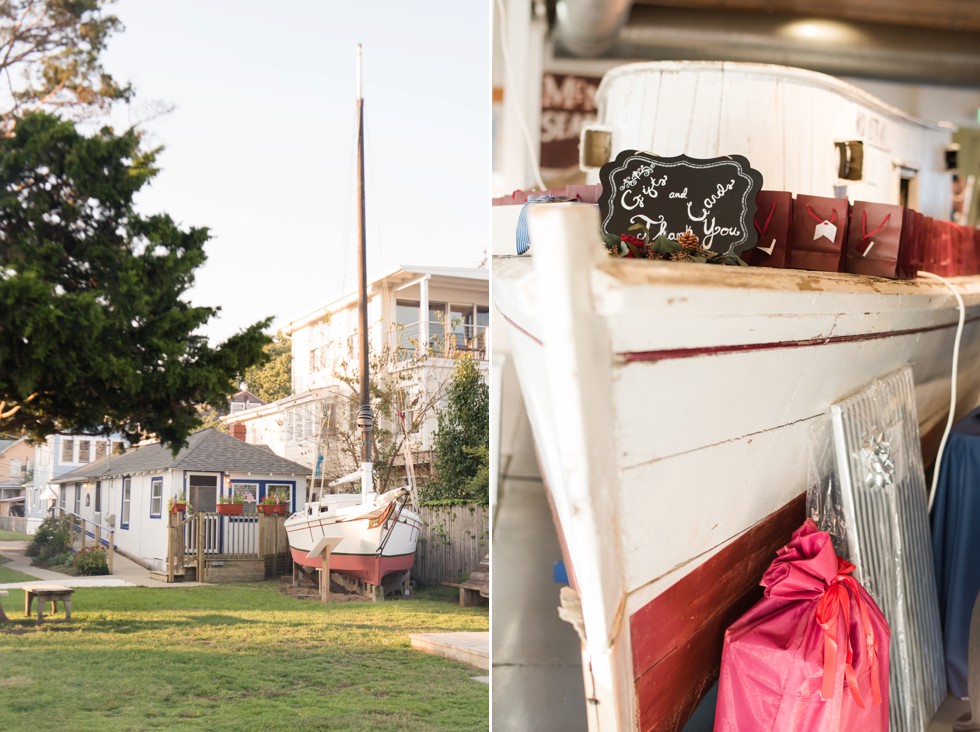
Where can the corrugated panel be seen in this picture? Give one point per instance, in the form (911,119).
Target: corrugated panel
(883,491)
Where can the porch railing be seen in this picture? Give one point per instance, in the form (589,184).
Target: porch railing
(202,537)
(462,338)
(89,533)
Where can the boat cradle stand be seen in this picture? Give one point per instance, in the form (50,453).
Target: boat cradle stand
(398,582)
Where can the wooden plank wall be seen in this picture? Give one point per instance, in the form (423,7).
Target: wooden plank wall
(453,541)
(274,545)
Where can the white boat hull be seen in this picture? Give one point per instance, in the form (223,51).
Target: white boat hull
(672,404)
(375,541)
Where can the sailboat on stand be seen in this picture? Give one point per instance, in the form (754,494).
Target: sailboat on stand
(371,536)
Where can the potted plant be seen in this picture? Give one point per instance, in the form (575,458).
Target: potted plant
(231,505)
(274,503)
(178,504)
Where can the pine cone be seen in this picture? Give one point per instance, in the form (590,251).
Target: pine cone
(688,240)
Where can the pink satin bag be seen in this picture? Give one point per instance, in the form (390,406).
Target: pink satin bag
(812,654)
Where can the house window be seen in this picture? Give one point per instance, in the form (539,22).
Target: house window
(478,332)
(330,417)
(14,468)
(408,334)
(437,328)
(101,449)
(67,450)
(62,492)
(246,491)
(282,489)
(98,496)
(457,326)
(156,497)
(203,492)
(78,499)
(84,451)
(126,496)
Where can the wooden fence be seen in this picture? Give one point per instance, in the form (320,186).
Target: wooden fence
(453,541)
(13,523)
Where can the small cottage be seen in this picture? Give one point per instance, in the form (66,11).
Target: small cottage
(131,492)
(15,469)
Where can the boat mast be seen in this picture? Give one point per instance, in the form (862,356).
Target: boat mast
(365,417)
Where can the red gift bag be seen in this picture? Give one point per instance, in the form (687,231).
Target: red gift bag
(773,218)
(874,241)
(812,654)
(939,251)
(910,249)
(963,263)
(818,233)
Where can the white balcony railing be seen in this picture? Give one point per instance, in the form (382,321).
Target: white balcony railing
(463,338)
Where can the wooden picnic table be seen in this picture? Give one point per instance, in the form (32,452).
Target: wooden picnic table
(48,593)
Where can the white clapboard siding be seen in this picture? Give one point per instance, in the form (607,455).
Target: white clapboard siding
(785,121)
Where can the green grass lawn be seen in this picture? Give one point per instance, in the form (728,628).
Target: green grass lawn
(13,536)
(12,575)
(236,657)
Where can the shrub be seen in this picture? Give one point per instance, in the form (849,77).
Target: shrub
(91,560)
(50,541)
(462,442)
(61,560)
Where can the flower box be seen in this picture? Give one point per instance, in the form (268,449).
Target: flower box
(178,507)
(230,509)
(270,509)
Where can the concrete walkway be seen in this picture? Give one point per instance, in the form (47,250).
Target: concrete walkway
(537,657)
(126,573)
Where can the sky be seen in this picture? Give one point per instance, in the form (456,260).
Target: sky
(260,146)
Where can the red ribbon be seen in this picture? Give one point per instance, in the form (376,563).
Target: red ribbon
(864,226)
(765,228)
(832,219)
(834,608)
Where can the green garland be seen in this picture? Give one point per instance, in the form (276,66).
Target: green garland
(686,249)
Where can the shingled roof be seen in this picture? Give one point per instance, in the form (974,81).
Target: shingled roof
(207,450)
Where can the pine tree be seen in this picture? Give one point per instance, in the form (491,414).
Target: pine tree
(96,334)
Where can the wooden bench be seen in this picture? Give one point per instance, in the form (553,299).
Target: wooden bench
(48,593)
(476,587)
(3,616)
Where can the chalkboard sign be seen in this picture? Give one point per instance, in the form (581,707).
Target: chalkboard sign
(714,198)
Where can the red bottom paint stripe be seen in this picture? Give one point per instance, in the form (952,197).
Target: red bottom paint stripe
(668,354)
(369,568)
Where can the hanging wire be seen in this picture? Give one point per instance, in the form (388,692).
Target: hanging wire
(952,381)
(535,169)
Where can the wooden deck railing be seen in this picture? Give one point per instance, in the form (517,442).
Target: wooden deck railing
(89,533)
(201,537)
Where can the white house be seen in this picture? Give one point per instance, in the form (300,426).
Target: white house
(16,465)
(54,457)
(131,491)
(420,317)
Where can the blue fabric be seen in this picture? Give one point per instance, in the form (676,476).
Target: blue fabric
(523,237)
(956,544)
